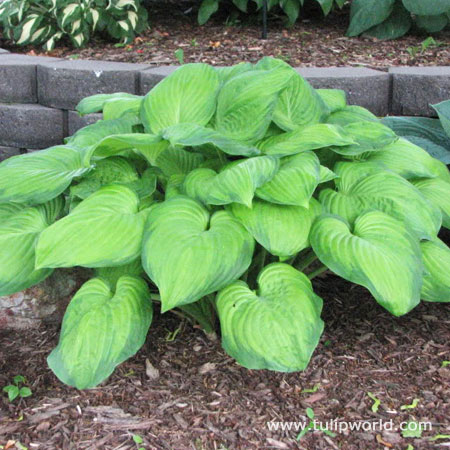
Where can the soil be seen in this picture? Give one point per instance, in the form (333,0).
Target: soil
(314,41)
(203,400)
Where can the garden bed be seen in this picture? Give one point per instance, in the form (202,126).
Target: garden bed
(314,41)
(204,400)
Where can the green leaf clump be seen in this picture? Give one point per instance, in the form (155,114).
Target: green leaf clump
(221,194)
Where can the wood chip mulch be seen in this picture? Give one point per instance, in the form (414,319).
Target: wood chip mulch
(314,41)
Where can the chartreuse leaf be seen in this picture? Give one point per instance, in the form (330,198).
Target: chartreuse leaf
(437,192)
(183,251)
(40,176)
(282,230)
(20,227)
(351,114)
(103,326)
(246,103)
(228,72)
(277,327)
(384,191)
(103,230)
(436,280)
(175,161)
(334,99)
(310,137)
(379,253)
(192,135)
(96,103)
(326,174)
(368,137)
(295,181)
(235,184)
(119,108)
(187,95)
(112,274)
(298,104)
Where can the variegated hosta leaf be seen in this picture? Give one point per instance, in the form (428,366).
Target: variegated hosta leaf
(404,158)
(379,254)
(298,104)
(40,176)
(235,184)
(384,191)
(192,135)
(282,230)
(96,103)
(103,230)
(351,114)
(20,227)
(310,137)
(187,95)
(334,99)
(106,171)
(183,251)
(102,327)
(278,326)
(436,191)
(369,137)
(436,280)
(174,161)
(295,181)
(246,103)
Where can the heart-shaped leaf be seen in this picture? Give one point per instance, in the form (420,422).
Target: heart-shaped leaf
(187,95)
(280,229)
(310,137)
(237,183)
(384,191)
(103,230)
(183,251)
(278,326)
(40,176)
(20,227)
(436,281)
(100,330)
(334,99)
(295,181)
(379,254)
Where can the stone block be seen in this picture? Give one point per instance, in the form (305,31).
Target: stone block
(75,121)
(415,88)
(7,152)
(30,126)
(364,87)
(63,84)
(18,77)
(151,77)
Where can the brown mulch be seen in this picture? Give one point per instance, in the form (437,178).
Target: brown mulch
(203,400)
(314,41)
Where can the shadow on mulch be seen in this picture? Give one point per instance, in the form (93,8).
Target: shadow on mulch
(203,400)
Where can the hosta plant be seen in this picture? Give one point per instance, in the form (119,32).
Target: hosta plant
(221,194)
(45,22)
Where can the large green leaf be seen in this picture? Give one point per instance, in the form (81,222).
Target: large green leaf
(298,104)
(310,137)
(96,103)
(206,10)
(237,182)
(432,24)
(183,251)
(365,14)
(246,103)
(379,254)
(436,281)
(187,95)
(384,191)
(281,230)
(103,326)
(443,110)
(424,8)
(395,26)
(437,191)
(277,327)
(176,161)
(295,181)
(20,227)
(334,99)
(103,230)
(350,114)
(192,135)
(40,176)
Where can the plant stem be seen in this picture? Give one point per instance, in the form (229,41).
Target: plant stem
(318,271)
(306,261)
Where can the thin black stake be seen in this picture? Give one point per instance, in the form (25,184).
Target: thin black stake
(264,14)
